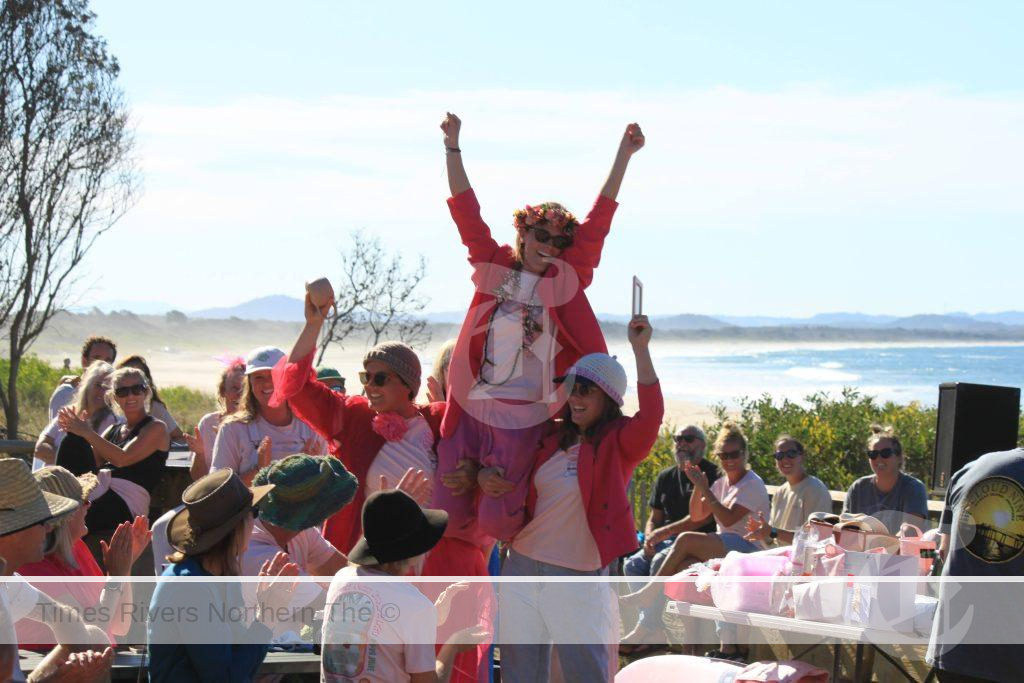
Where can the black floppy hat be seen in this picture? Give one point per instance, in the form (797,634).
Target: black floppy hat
(396,528)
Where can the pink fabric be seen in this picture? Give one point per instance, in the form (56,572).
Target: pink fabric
(676,668)
(792,671)
(604,474)
(474,517)
(576,328)
(452,557)
(346,423)
(33,635)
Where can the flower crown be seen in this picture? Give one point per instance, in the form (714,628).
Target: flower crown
(550,214)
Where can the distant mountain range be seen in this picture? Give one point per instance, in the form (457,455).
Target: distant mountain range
(289,309)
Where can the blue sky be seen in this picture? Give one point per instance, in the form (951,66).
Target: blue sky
(802,157)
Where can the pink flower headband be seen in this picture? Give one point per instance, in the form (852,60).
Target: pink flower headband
(549,214)
(230,361)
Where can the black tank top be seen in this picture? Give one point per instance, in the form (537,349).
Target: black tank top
(146,472)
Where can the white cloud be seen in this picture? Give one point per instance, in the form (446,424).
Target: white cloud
(239,175)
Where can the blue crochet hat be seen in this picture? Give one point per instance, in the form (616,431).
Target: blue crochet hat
(307,490)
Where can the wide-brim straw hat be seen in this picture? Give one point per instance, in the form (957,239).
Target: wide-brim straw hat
(214,504)
(23,504)
(396,528)
(56,479)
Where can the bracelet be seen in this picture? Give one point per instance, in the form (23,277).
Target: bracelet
(453,150)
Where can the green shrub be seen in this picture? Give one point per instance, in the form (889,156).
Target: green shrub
(187,406)
(36,381)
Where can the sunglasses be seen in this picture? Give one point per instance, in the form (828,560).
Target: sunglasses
(886,453)
(581,386)
(377,379)
(730,455)
(792,453)
(133,389)
(557,241)
(687,438)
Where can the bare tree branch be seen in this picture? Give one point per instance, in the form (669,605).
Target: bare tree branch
(66,170)
(378,294)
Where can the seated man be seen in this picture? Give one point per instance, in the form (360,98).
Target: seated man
(670,516)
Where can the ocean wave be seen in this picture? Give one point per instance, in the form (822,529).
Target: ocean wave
(821,374)
(830,365)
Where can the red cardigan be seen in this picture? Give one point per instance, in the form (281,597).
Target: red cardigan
(603,475)
(346,423)
(576,329)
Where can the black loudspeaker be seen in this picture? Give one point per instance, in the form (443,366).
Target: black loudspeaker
(974,419)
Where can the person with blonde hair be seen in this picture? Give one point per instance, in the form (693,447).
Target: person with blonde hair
(128,458)
(229,394)
(70,557)
(91,397)
(259,432)
(733,499)
(888,494)
(157,407)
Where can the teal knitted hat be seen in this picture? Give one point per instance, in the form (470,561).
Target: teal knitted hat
(307,490)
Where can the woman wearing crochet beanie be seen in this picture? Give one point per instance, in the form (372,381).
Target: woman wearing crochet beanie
(579,521)
(384,433)
(529,321)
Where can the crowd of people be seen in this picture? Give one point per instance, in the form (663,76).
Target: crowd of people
(522,445)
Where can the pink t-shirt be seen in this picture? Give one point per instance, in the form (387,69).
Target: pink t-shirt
(208,426)
(33,635)
(558,533)
(376,632)
(750,492)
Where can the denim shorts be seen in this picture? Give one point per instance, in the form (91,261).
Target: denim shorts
(737,543)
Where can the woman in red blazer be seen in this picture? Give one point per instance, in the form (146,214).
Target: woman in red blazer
(528,322)
(579,520)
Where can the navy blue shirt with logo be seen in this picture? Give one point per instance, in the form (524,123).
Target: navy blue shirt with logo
(979,625)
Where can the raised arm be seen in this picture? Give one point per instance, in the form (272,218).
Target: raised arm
(153,437)
(631,143)
(638,435)
(458,181)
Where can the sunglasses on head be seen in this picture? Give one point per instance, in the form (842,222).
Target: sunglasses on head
(557,241)
(377,379)
(886,453)
(687,438)
(133,389)
(789,453)
(581,386)
(730,455)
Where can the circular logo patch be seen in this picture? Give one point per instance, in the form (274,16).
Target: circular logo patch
(993,520)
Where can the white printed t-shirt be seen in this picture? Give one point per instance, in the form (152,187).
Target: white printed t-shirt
(750,492)
(376,631)
(208,426)
(415,449)
(558,534)
(236,443)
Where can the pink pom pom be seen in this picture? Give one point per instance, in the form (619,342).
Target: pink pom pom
(391,426)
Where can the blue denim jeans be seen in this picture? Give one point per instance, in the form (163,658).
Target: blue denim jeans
(582,618)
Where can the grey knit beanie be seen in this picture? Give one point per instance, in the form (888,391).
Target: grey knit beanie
(401,358)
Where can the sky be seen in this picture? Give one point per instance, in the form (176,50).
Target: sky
(801,157)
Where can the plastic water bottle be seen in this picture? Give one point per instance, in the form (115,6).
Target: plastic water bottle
(799,550)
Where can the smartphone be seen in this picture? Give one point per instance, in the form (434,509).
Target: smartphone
(638,296)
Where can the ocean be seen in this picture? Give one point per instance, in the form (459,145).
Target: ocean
(707,375)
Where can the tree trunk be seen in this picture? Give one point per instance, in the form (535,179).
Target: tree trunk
(11,409)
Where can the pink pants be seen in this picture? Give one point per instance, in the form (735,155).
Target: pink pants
(477,518)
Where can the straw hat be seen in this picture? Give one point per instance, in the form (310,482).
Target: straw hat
(56,479)
(22,503)
(214,504)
